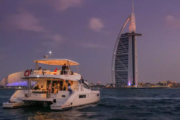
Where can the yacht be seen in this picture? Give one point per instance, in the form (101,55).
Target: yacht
(51,88)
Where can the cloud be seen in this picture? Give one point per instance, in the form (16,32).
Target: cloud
(26,21)
(169,18)
(59,5)
(96,24)
(172,21)
(90,45)
(56,38)
(52,41)
(65,4)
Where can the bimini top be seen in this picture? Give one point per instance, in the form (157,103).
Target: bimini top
(56,61)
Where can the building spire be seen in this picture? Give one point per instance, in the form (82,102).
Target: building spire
(132,22)
(132,7)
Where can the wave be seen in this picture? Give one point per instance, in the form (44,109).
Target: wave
(142,98)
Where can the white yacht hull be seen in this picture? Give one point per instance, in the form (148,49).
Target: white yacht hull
(75,101)
(62,107)
(14,105)
(60,101)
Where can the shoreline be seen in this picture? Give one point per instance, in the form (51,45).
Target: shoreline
(139,88)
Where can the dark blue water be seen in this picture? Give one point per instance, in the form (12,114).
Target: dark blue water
(130,104)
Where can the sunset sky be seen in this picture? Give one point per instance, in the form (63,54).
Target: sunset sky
(85,31)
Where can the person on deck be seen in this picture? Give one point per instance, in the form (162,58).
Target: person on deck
(69,88)
(63,69)
(39,68)
(67,70)
(37,87)
(64,89)
(55,71)
(41,87)
(81,81)
(55,88)
(49,88)
(30,70)
(58,86)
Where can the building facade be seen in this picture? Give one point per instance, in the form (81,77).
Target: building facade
(124,63)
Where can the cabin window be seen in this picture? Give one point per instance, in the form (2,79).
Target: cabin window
(97,94)
(82,96)
(86,86)
(63,96)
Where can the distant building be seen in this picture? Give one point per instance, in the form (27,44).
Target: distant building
(15,79)
(124,63)
(109,85)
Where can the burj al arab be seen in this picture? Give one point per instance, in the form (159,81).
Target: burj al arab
(125,59)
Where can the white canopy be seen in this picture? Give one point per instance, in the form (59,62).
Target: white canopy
(55,61)
(75,77)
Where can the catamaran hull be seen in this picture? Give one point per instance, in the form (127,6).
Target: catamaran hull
(77,99)
(59,108)
(8,105)
(13,105)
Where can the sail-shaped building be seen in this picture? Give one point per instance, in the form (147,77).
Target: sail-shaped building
(124,62)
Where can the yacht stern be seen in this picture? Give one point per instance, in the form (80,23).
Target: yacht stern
(13,105)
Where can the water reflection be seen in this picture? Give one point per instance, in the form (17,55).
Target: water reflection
(74,113)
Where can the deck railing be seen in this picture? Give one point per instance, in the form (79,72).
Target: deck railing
(51,72)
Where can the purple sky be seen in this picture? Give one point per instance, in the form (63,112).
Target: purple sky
(86,31)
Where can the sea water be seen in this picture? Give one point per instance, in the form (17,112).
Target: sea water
(115,104)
